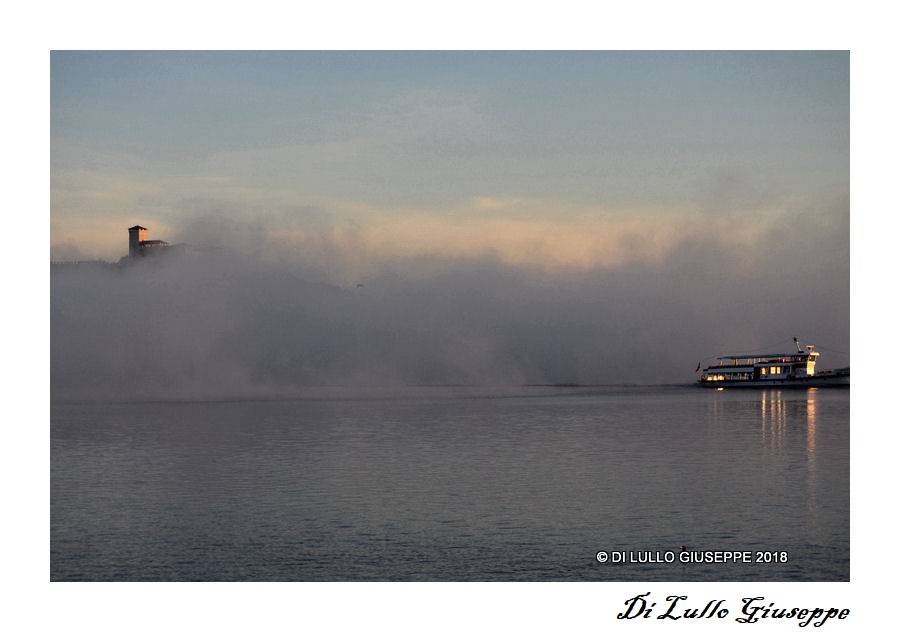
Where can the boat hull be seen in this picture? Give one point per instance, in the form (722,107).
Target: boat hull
(816,381)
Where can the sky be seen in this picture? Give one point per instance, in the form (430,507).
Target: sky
(508,217)
(546,159)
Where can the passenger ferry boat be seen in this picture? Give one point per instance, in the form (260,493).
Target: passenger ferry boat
(782,370)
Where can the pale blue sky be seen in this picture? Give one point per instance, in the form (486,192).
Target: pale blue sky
(419,143)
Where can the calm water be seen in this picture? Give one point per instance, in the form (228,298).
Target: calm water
(455,485)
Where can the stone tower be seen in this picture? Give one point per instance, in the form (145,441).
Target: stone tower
(136,234)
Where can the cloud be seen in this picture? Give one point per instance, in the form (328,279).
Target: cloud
(482,299)
(528,233)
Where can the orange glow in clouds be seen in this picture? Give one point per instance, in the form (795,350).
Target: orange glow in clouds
(571,240)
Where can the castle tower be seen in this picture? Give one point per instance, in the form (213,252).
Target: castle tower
(136,234)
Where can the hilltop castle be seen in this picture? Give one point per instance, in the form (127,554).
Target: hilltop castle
(139,245)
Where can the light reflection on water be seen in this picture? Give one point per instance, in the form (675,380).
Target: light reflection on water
(451,485)
(777,412)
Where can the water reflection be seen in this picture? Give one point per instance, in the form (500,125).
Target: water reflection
(776,410)
(811,473)
(811,430)
(774,415)
(778,413)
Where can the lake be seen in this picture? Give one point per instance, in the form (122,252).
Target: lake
(455,484)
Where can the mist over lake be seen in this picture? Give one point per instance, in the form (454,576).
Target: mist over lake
(206,321)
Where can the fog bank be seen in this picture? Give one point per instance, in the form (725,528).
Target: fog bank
(209,323)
